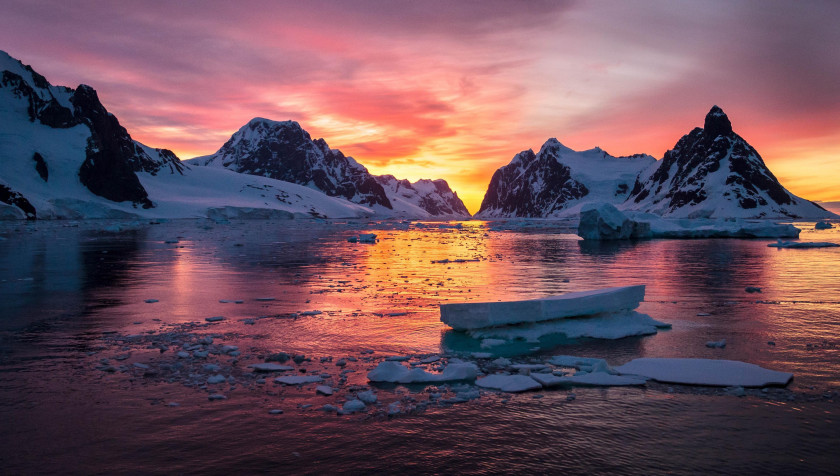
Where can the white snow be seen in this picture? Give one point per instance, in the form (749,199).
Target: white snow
(722,373)
(464,316)
(390,371)
(509,383)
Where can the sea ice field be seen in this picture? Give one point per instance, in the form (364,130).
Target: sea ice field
(308,347)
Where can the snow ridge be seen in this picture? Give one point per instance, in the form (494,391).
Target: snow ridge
(558,181)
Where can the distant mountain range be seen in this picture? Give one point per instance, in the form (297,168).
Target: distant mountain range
(63,155)
(710,173)
(284,151)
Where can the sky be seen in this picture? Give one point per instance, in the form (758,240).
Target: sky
(454,89)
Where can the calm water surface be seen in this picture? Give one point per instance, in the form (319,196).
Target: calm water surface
(73,300)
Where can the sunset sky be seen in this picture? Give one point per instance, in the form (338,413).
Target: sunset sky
(454,89)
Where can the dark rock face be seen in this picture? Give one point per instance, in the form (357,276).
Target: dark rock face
(41,166)
(112,157)
(284,151)
(531,186)
(11,197)
(690,173)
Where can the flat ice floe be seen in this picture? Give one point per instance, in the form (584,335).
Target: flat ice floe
(465,316)
(394,372)
(602,326)
(509,383)
(716,373)
(802,244)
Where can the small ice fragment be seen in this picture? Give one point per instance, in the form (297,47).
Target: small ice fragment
(329,408)
(227,349)
(298,379)
(173,404)
(367,396)
(752,289)
(218,378)
(275,411)
(396,314)
(341,363)
(703,314)
(325,390)
(367,238)
(216,396)
(201,354)
(719,344)
(481,355)
(502,362)
(264,299)
(150,301)
(487,343)
(570,397)
(270,367)
(354,405)
(141,366)
(823,225)
(429,360)
(183,355)
(211,367)
(214,319)
(397,358)
(311,313)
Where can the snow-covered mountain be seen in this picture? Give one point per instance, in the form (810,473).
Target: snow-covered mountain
(284,150)
(714,173)
(62,155)
(558,181)
(423,196)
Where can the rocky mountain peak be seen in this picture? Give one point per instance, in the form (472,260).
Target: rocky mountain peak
(717,123)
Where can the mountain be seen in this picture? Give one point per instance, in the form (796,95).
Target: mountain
(285,151)
(714,173)
(111,159)
(558,181)
(423,196)
(63,155)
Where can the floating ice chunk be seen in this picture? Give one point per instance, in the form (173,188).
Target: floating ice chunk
(602,326)
(183,355)
(502,362)
(465,316)
(509,383)
(487,343)
(716,344)
(270,367)
(481,355)
(325,390)
(802,244)
(214,319)
(227,349)
(389,371)
(311,313)
(363,238)
(602,221)
(529,367)
(216,396)
(431,359)
(218,378)
(397,358)
(264,299)
(718,373)
(752,289)
(275,411)
(352,406)
(574,361)
(150,301)
(823,225)
(329,408)
(298,379)
(602,379)
(367,396)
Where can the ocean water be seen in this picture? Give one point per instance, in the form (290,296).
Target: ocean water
(86,387)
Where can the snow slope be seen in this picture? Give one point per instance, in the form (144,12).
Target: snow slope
(285,151)
(558,181)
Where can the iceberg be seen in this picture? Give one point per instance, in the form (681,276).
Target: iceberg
(823,225)
(466,316)
(715,373)
(616,325)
